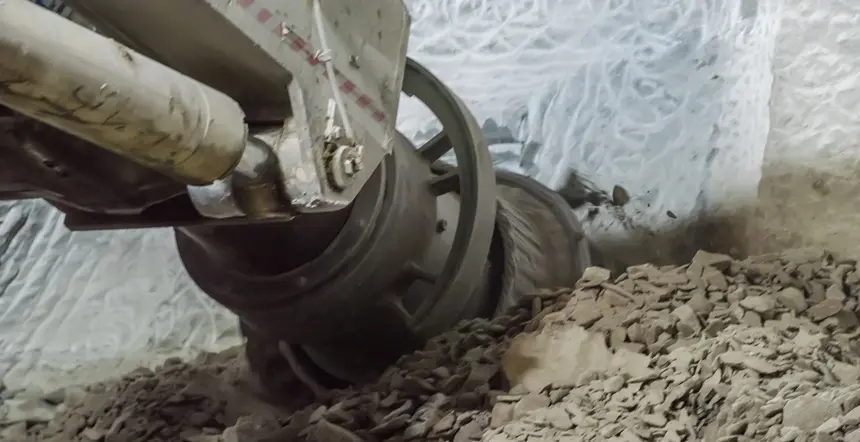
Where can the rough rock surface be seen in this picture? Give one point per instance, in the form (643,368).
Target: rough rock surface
(716,350)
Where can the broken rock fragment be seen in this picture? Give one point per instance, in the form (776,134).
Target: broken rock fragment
(718,350)
(825,309)
(793,299)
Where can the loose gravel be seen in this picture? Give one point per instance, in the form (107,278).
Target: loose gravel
(763,349)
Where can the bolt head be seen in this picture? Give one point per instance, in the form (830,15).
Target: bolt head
(348,168)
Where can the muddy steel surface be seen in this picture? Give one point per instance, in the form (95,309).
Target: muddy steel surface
(763,349)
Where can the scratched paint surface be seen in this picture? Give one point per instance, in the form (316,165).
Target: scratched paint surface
(311,54)
(363,67)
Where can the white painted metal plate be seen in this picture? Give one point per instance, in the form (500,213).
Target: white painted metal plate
(367,47)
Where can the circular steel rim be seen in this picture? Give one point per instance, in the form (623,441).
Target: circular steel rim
(473,178)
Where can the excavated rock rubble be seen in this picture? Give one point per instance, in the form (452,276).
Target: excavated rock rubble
(764,349)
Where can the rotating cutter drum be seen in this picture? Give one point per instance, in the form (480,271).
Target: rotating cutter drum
(424,246)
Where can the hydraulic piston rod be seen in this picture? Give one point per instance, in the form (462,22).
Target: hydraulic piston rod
(77,81)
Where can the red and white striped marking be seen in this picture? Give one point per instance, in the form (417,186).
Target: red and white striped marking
(299,45)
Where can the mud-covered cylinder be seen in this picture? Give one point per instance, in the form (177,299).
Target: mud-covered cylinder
(89,86)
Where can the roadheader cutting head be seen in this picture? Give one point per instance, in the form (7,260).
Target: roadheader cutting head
(263,132)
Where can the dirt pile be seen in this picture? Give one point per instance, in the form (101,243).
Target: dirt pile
(442,392)
(177,402)
(716,350)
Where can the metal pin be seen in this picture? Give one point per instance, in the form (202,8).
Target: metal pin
(331,111)
(323,56)
(285,30)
